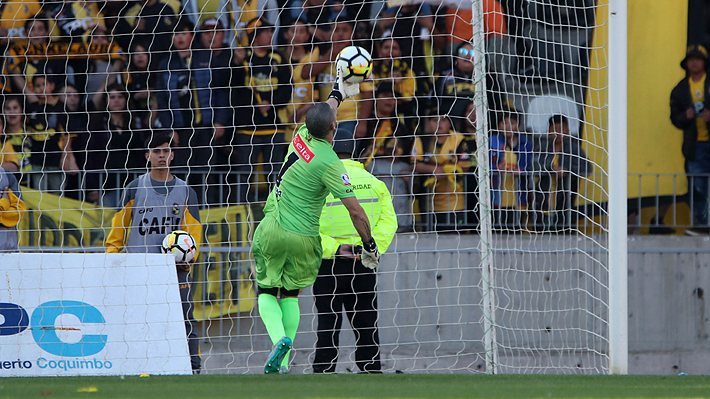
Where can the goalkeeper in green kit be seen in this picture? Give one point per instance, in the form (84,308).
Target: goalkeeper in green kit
(286,246)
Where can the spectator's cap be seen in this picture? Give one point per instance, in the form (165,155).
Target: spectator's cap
(343,142)
(211,23)
(694,50)
(385,88)
(256,26)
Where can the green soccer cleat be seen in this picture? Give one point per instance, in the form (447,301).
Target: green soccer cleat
(276,356)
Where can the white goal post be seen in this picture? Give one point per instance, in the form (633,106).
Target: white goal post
(618,265)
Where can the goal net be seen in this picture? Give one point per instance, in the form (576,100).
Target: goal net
(485,119)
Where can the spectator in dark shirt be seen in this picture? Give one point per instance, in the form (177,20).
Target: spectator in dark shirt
(386,124)
(690,112)
(114,150)
(138,81)
(410,25)
(46,123)
(191,98)
(456,86)
(212,35)
(260,130)
(154,25)
(559,164)
(116,23)
(391,67)
(77,130)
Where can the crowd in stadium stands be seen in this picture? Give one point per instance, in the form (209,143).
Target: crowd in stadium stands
(231,92)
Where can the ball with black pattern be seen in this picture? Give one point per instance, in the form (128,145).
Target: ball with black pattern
(354,63)
(180,244)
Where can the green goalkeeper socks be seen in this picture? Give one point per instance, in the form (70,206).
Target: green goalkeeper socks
(291,316)
(270,313)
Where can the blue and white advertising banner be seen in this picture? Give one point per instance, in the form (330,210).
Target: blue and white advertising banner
(90,314)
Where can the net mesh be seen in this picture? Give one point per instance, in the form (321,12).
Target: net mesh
(510,91)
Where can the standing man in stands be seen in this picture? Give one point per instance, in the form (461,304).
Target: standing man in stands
(690,112)
(260,130)
(153,22)
(11,208)
(154,205)
(191,97)
(343,280)
(287,245)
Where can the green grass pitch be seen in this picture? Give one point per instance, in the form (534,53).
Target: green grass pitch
(358,386)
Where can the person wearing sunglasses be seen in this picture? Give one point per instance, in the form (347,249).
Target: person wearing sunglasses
(456,87)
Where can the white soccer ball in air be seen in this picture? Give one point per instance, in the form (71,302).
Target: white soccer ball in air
(354,64)
(181,244)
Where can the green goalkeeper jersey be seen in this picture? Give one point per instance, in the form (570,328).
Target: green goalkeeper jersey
(310,171)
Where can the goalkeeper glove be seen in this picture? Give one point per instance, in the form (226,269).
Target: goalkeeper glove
(342,89)
(370,255)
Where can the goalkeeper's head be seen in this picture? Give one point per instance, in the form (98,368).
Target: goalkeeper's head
(320,121)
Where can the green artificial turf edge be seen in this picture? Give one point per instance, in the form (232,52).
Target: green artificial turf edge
(359,386)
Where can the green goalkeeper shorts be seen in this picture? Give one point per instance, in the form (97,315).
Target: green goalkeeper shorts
(284,259)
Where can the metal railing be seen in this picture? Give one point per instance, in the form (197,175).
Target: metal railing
(668,201)
(214,186)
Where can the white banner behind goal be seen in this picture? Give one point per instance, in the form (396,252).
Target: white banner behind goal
(100,314)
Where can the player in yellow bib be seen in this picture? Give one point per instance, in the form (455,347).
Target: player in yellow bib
(287,247)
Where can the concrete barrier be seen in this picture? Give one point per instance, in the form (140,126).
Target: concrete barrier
(551,309)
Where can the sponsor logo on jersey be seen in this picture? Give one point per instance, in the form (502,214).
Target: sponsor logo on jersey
(346,179)
(302,149)
(158,225)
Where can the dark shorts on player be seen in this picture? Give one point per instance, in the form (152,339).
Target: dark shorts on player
(284,259)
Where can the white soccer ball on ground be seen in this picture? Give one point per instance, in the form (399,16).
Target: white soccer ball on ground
(354,64)
(181,244)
